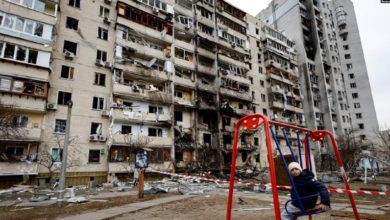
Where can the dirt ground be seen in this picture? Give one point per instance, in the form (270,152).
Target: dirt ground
(54,211)
(205,206)
(214,206)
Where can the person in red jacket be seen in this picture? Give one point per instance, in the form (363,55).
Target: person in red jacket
(307,187)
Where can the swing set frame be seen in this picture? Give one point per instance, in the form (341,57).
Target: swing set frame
(254,122)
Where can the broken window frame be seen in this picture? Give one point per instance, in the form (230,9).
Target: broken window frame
(70,46)
(155,132)
(102,33)
(100,79)
(64,97)
(94,156)
(72,23)
(101,55)
(60,126)
(97,103)
(67,72)
(148,20)
(23,87)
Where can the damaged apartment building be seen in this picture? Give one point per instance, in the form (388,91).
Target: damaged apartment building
(167,77)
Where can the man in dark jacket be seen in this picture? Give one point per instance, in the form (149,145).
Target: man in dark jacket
(306,186)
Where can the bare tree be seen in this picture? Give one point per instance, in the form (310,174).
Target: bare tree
(384,137)
(349,149)
(52,163)
(9,126)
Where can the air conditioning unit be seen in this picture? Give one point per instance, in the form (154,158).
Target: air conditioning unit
(155,10)
(99,62)
(102,151)
(101,138)
(51,106)
(114,105)
(108,65)
(68,54)
(108,1)
(93,137)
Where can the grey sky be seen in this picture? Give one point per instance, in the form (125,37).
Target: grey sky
(374,30)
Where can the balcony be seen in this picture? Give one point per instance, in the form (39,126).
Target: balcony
(343,32)
(25,103)
(185,82)
(230,60)
(203,105)
(47,14)
(127,115)
(207,87)
(18,168)
(341,21)
(27,135)
(184,63)
(141,94)
(243,112)
(279,78)
(184,102)
(276,89)
(276,104)
(121,139)
(206,53)
(236,94)
(143,50)
(151,75)
(206,69)
(162,35)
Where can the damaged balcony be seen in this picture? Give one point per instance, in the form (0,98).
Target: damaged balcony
(127,115)
(125,139)
(23,93)
(206,86)
(142,49)
(144,23)
(231,12)
(18,158)
(206,66)
(133,91)
(184,78)
(184,7)
(184,98)
(233,58)
(155,75)
(234,89)
(43,11)
(121,156)
(206,101)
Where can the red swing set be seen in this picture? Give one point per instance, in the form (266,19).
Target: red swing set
(255,121)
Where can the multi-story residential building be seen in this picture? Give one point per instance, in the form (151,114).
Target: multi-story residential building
(26,46)
(81,65)
(363,117)
(167,77)
(319,31)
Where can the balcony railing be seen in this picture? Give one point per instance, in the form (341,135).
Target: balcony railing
(128,140)
(141,94)
(236,94)
(126,115)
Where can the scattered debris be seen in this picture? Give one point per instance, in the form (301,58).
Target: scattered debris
(78,199)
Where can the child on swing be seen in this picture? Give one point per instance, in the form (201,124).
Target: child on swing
(306,185)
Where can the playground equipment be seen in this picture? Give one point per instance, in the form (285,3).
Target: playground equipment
(255,121)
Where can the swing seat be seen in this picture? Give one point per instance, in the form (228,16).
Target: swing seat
(312,211)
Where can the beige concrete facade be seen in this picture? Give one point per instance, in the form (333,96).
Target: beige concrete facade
(170,78)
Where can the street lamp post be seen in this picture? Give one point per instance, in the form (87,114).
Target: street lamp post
(65,152)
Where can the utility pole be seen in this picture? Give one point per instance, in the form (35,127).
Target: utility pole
(65,152)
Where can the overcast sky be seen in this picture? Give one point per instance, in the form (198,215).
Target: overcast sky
(373,18)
